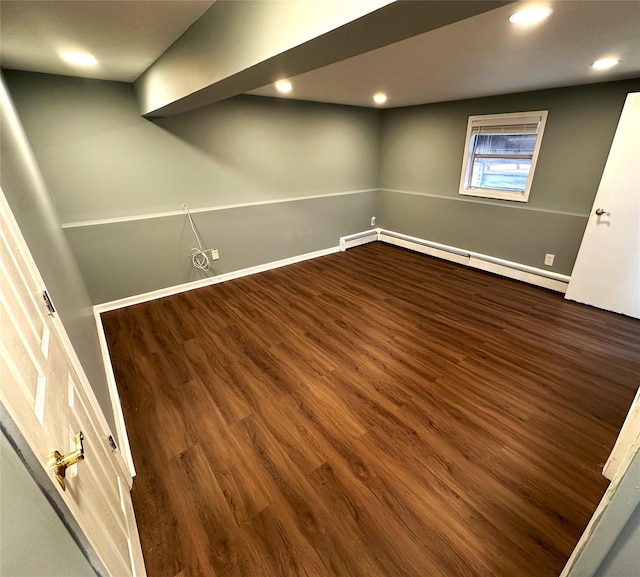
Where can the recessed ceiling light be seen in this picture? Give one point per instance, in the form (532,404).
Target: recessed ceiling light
(531,15)
(79,58)
(283,86)
(380,98)
(605,63)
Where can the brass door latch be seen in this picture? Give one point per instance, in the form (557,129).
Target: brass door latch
(59,463)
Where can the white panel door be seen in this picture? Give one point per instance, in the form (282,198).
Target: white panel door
(607,270)
(45,392)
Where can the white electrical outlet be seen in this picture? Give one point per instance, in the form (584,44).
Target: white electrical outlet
(373,221)
(548,259)
(214,254)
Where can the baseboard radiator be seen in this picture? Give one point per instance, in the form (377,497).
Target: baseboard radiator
(525,273)
(358,239)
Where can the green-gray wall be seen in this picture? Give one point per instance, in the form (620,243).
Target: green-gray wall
(33,540)
(623,558)
(421,161)
(32,206)
(101,160)
(612,548)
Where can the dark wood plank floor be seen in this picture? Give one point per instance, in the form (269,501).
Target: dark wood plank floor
(370,413)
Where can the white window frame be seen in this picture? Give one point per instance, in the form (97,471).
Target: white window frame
(509,119)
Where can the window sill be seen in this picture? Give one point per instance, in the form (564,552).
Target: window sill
(496,194)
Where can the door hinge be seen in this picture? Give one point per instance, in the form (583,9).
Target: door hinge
(46,299)
(112,443)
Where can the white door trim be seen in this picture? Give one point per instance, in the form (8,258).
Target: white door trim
(116,405)
(604,527)
(628,437)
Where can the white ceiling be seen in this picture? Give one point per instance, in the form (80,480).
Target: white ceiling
(480,56)
(485,55)
(126,36)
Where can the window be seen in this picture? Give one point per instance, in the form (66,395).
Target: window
(500,155)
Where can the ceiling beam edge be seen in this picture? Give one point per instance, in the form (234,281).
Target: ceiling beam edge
(177,83)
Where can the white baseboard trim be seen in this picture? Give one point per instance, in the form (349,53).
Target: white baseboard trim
(359,238)
(176,289)
(116,406)
(525,273)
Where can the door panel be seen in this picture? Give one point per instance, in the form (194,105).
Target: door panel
(607,270)
(50,402)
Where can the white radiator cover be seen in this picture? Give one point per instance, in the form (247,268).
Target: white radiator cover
(522,272)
